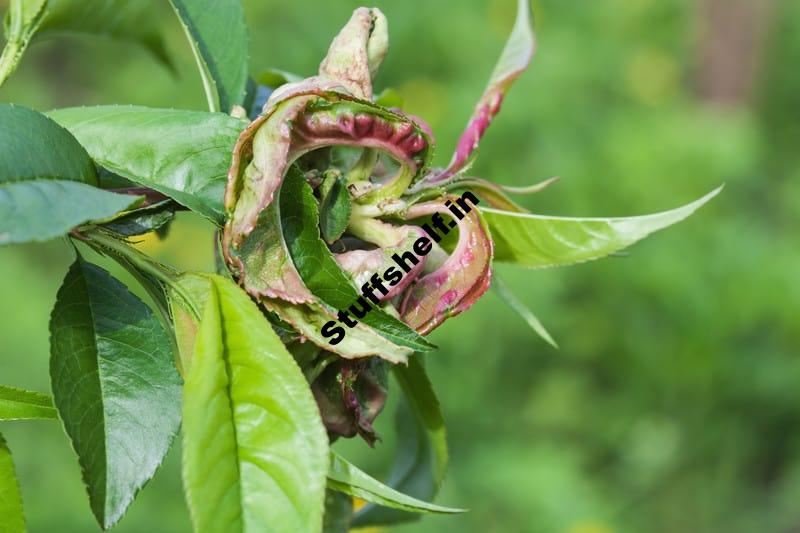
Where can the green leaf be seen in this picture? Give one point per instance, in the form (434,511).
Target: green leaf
(516,304)
(44,209)
(254,448)
(346,478)
(12,520)
(46,180)
(537,241)
(35,147)
(319,270)
(182,154)
(218,37)
(19,404)
(334,212)
(421,457)
(114,385)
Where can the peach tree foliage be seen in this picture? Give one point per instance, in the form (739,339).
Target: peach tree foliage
(313,183)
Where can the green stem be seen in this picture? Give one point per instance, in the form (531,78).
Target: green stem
(18,36)
(9,60)
(144,263)
(124,253)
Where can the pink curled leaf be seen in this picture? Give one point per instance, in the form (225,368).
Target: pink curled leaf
(361,265)
(515,58)
(458,283)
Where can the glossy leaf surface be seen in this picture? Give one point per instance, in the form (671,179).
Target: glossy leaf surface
(537,241)
(114,385)
(218,37)
(43,169)
(182,154)
(255,451)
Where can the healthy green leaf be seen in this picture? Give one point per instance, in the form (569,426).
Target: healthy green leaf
(35,147)
(114,385)
(334,212)
(514,303)
(19,404)
(255,450)
(421,457)
(182,154)
(39,210)
(44,171)
(319,270)
(218,36)
(346,478)
(12,520)
(537,241)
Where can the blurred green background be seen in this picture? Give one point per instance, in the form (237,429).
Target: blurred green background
(673,404)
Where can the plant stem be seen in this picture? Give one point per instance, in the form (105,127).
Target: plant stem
(144,263)
(124,253)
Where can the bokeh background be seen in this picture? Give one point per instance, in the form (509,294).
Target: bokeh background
(673,403)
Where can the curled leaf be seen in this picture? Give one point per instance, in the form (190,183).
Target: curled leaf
(515,58)
(357,52)
(456,284)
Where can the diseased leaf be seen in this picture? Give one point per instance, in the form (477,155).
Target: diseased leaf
(457,282)
(346,478)
(255,451)
(357,52)
(421,454)
(527,315)
(19,404)
(537,241)
(218,37)
(515,58)
(114,385)
(43,169)
(319,270)
(12,519)
(182,154)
